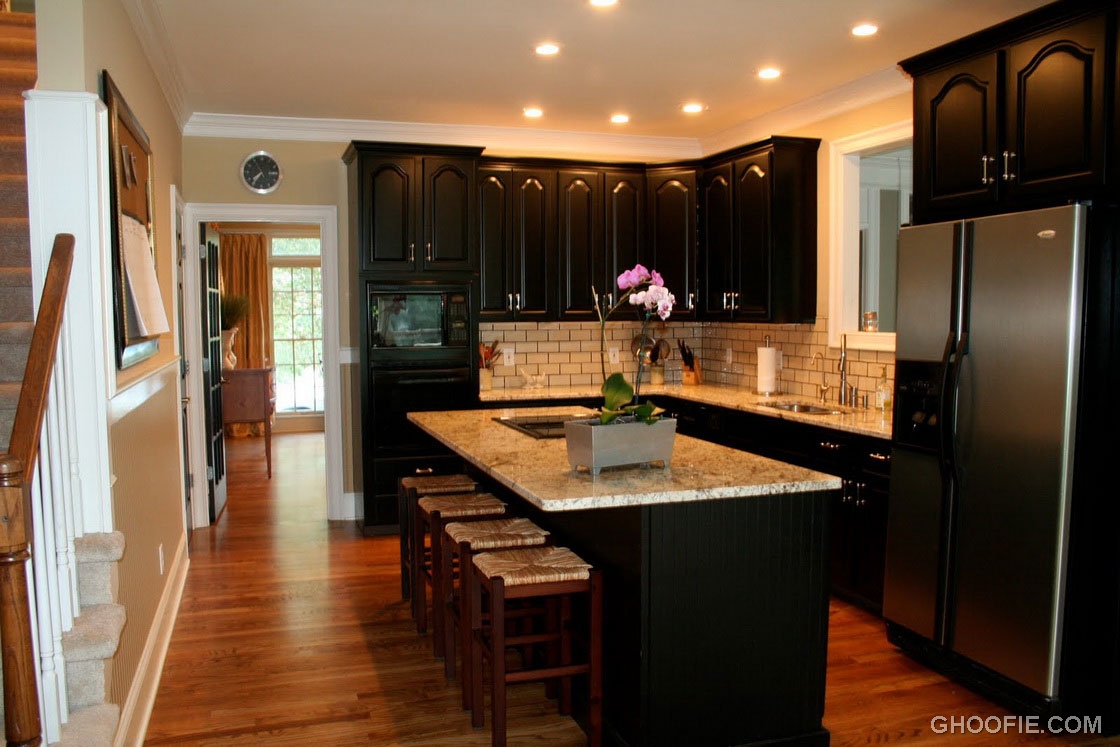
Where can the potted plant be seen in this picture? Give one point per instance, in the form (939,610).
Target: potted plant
(627,431)
(232,310)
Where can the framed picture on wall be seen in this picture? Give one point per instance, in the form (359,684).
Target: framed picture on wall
(138,313)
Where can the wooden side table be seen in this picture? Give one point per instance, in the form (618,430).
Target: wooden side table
(249,396)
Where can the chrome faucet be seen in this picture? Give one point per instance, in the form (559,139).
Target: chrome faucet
(845,397)
(822,388)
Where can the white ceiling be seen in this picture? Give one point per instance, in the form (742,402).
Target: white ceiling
(471,62)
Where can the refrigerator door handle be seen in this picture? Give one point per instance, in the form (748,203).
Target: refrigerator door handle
(944,443)
(948,408)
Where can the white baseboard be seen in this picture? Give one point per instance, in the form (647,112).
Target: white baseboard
(137,708)
(350,507)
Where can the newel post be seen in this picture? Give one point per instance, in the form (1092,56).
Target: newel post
(21,693)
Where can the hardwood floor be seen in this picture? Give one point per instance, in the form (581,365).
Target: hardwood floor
(292,631)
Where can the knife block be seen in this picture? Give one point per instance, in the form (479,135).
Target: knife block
(691,376)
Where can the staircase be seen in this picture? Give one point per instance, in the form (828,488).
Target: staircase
(17,74)
(87,648)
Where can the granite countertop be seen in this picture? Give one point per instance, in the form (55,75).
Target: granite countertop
(538,469)
(869,422)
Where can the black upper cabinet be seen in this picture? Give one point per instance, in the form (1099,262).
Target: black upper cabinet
(414,208)
(517,242)
(758,217)
(582,245)
(1012,122)
(671,233)
(624,195)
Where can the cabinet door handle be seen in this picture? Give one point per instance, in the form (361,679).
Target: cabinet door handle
(830,446)
(425,470)
(691,301)
(880,457)
(725,301)
(1008,174)
(411,252)
(984,173)
(509,302)
(517,301)
(735,301)
(428,252)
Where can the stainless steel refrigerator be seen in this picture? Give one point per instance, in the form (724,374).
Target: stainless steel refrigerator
(987,369)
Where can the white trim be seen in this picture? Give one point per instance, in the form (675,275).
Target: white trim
(843,246)
(860,92)
(348,356)
(326,216)
(152,34)
(356,506)
(503,140)
(137,708)
(65,129)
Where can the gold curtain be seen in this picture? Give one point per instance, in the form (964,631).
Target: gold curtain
(244,272)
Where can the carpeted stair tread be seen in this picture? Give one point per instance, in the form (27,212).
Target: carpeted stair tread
(15,295)
(15,242)
(105,547)
(16,333)
(96,633)
(13,195)
(13,362)
(91,727)
(9,394)
(11,277)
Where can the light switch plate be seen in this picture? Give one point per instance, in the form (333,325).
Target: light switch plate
(507,356)
(612,355)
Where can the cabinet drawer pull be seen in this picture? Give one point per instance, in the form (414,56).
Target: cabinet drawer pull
(830,446)
(425,470)
(880,457)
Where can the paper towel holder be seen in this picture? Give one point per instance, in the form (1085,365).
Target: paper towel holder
(770,383)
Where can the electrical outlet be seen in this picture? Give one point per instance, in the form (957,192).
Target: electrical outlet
(612,355)
(161,558)
(728,356)
(507,356)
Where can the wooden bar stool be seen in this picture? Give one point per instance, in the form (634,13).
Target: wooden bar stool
(432,513)
(533,573)
(409,490)
(461,541)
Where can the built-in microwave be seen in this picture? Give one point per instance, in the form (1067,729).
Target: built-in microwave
(403,316)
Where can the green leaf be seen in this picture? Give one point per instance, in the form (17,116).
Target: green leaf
(617,392)
(606,416)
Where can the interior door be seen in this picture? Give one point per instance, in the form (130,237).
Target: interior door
(184,370)
(212,371)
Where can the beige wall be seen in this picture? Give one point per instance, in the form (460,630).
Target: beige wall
(77,39)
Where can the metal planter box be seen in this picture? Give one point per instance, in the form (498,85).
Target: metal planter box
(593,445)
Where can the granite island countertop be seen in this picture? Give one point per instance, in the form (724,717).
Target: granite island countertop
(869,422)
(538,469)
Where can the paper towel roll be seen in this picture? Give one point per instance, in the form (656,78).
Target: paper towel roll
(767,370)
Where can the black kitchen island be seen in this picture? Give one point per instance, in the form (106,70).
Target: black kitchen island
(716,584)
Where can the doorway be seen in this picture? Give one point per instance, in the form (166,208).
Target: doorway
(325,219)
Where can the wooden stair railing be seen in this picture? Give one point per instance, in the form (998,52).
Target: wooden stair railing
(22,725)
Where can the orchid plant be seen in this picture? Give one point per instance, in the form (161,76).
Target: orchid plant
(646,290)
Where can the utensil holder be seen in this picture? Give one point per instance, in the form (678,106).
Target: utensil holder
(691,376)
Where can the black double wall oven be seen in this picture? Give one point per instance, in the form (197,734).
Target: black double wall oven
(420,344)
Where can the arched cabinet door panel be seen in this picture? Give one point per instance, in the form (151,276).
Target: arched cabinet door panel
(449,189)
(1056,111)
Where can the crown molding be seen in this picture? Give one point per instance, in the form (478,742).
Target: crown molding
(496,140)
(843,98)
(152,34)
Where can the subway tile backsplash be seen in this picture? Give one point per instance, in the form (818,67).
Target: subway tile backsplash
(567,353)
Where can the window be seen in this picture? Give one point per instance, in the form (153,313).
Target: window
(297,323)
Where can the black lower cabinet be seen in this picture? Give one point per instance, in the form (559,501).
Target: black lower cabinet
(858,520)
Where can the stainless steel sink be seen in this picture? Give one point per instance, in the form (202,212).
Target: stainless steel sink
(801,407)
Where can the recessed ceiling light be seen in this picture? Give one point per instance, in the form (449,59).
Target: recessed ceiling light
(864,29)
(692,108)
(603,3)
(547,49)
(769,73)
(620,118)
(532,111)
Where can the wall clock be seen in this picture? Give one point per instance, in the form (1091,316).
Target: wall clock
(261,173)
